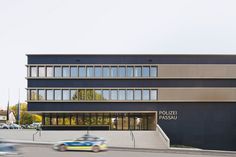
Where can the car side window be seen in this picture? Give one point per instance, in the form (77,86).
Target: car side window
(91,139)
(80,139)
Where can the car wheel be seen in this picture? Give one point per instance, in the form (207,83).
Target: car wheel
(96,149)
(62,148)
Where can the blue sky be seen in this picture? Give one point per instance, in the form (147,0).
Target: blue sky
(107,26)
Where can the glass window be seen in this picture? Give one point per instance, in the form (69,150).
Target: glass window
(82,72)
(106,72)
(28,71)
(82,94)
(137,94)
(73,94)
(49,94)
(130,72)
(41,71)
(98,72)
(113,71)
(41,95)
(153,94)
(129,95)
(137,71)
(105,94)
(113,94)
(65,72)
(74,71)
(49,71)
(90,71)
(89,94)
(145,94)
(145,72)
(98,94)
(33,94)
(121,95)
(57,71)
(33,71)
(121,72)
(57,94)
(65,94)
(153,72)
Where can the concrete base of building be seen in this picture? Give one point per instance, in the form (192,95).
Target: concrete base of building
(139,139)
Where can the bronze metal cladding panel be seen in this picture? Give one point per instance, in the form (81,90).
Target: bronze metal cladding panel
(197,94)
(196,71)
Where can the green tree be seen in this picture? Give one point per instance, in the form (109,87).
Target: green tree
(25,116)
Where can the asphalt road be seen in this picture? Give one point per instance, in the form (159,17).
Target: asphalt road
(47,151)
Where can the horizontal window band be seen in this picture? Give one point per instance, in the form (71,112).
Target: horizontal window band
(89,65)
(91,101)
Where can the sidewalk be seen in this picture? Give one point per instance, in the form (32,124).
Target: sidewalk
(170,150)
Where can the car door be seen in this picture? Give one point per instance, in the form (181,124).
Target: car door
(76,145)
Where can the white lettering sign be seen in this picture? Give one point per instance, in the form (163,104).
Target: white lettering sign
(168,115)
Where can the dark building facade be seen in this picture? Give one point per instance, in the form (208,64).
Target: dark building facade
(192,97)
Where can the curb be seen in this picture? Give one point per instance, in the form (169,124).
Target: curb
(170,150)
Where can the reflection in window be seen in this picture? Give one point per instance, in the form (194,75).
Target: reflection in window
(137,94)
(33,71)
(145,72)
(74,71)
(129,95)
(105,94)
(33,94)
(153,94)
(113,71)
(130,72)
(153,72)
(82,72)
(66,72)
(41,94)
(49,94)
(65,95)
(90,71)
(137,71)
(49,71)
(89,94)
(121,95)
(57,71)
(121,72)
(145,94)
(113,94)
(73,95)
(98,94)
(73,120)
(98,72)
(57,94)
(41,71)
(82,94)
(106,72)
(60,120)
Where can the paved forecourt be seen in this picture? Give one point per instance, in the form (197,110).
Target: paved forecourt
(42,150)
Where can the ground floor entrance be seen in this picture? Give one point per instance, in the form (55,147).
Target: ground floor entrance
(99,121)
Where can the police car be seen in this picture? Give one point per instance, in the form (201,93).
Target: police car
(86,142)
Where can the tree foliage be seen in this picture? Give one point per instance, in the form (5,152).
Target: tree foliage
(25,116)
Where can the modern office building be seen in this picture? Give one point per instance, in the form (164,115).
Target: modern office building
(192,97)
